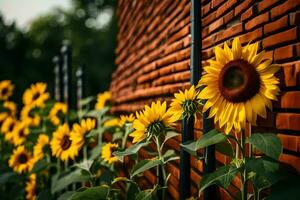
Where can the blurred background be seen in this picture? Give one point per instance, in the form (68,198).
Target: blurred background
(32,31)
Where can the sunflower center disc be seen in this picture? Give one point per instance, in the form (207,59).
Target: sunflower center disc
(11,127)
(22,158)
(238,81)
(4,91)
(65,142)
(22,133)
(36,96)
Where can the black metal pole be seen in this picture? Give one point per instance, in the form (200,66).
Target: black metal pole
(188,124)
(80,85)
(67,74)
(58,90)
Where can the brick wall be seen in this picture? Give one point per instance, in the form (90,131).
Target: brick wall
(153,60)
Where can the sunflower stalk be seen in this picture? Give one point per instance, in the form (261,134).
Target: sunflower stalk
(163,170)
(244,188)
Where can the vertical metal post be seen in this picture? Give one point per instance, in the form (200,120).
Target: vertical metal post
(58,93)
(188,124)
(67,73)
(80,85)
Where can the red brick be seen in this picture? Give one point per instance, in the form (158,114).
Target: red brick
(228,17)
(257,21)
(207,42)
(215,25)
(266,4)
(225,7)
(284,8)
(276,25)
(283,53)
(205,9)
(288,121)
(216,3)
(295,19)
(281,37)
(289,142)
(291,160)
(242,6)
(247,14)
(290,100)
(208,19)
(251,36)
(229,32)
(291,74)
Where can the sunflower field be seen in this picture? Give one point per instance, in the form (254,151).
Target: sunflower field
(49,151)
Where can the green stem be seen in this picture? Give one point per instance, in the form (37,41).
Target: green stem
(85,153)
(164,174)
(244,190)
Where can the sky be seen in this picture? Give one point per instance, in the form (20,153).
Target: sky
(24,11)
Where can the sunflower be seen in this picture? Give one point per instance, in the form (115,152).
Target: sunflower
(39,148)
(126,119)
(112,122)
(239,85)
(36,95)
(185,104)
(6,89)
(9,109)
(8,127)
(152,120)
(80,130)
(61,144)
(57,112)
(107,151)
(31,187)
(27,114)
(21,160)
(20,132)
(102,99)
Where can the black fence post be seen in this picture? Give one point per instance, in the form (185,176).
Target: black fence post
(67,74)
(80,85)
(58,89)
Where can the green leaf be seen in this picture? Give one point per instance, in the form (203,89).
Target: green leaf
(225,148)
(133,149)
(66,196)
(286,189)
(68,179)
(170,155)
(144,165)
(210,138)
(99,131)
(7,177)
(267,143)
(98,113)
(85,165)
(44,195)
(93,193)
(222,177)
(118,136)
(144,195)
(85,101)
(40,165)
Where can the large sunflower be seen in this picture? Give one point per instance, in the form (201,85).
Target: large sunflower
(21,160)
(36,95)
(8,127)
(9,109)
(80,130)
(61,144)
(20,133)
(39,148)
(28,114)
(239,85)
(57,112)
(31,187)
(102,100)
(6,89)
(107,151)
(152,120)
(185,104)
